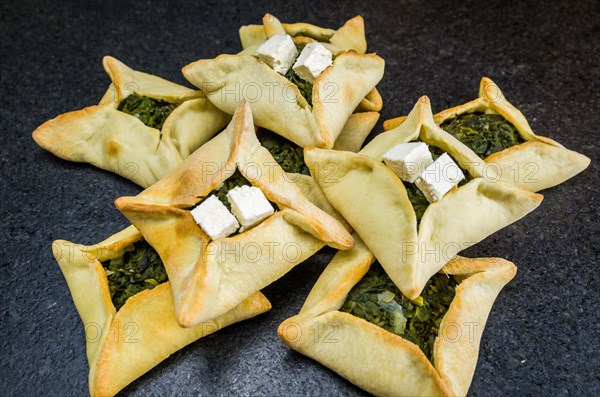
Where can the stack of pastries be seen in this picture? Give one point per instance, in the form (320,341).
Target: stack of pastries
(263,164)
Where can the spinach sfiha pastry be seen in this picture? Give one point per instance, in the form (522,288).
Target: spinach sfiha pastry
(411,238)
(357,324)
(143,127)
(126,305)
(211,276)
(306,114)
(499,134)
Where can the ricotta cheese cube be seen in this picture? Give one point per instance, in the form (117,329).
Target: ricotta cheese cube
(249,205)
(214,218)
(313,60)
(408,160)
(278,52)
(439,178)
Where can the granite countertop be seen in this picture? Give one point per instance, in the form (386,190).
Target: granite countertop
(542,337)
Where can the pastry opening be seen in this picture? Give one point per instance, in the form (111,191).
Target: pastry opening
(376,299)
(232,208)
(152,112)
(416,196)
(140,268)
(301,61)
(305,87)
(484,133)
(235,180)
(286,153)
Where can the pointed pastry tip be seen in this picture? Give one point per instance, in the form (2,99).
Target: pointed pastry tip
(489,90)
(269,19)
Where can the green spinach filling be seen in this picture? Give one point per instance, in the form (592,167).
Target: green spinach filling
(377,299)
(235,180)
(152,112)
(286,153)
(304,86)
(140,268)
(485,134)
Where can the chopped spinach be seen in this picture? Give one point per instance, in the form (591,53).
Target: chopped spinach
(140,268)
(152,112)
(377,299)
(417,199)
(235,180)
(304,86)
(485,134)
(286,153)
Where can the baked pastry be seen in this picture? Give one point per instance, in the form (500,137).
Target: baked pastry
(142,129)
(411,238)
(129,322)
(211,276)
(358,324)
(303,112)
(351,36)
(501,136)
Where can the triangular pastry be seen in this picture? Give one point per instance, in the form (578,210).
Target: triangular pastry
(305,113)
(209,277)
(125,342)
(337,324)
(142,129)
(411,238)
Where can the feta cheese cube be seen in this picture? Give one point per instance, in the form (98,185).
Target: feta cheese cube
(313,60)
(214,218)
(439,178)
(408,160)
(278,52)
(249,205)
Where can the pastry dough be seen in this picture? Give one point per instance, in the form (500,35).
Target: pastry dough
(209,278)
(277,104)
(384,363)
(116,141)
(351,36)
(375,202)
(536,164)
(123,345)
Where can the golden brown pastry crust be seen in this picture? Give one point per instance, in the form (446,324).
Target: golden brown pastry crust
(115,141)
(386,364)
(537,164)
(375,202)
(208,277)
(123,345)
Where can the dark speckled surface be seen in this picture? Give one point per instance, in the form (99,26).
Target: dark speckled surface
(543,335)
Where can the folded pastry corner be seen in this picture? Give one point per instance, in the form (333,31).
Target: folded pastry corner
(499,134)
(209,276)
(358,324)
(306,113)
(411,238)
(129,319)
(141,129)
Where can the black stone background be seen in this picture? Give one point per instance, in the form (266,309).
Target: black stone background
(542,337)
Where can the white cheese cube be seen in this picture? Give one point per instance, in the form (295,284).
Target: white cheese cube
(439,178)
(278,52)
(249,205)
(313,60)
(408,160)
(214,218)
